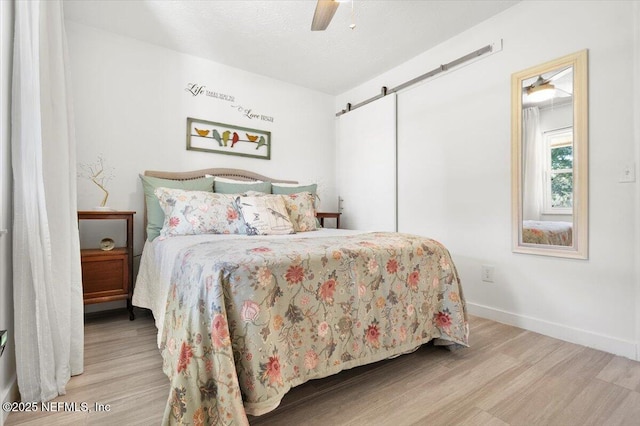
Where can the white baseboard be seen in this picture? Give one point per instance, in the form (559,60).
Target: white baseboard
(625,348)
(10,394)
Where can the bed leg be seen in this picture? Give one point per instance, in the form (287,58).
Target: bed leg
(130,308)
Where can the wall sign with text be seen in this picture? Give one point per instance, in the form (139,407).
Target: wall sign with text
(196,89)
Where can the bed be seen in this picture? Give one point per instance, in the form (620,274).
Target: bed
(547,232)
(242,319)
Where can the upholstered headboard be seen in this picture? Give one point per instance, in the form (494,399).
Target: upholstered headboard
(236,174)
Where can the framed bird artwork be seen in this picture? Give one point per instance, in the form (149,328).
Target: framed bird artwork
(209,136)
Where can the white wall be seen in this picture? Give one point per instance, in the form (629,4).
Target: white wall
(131,105)
(454,156)
(7,362)
(556,117)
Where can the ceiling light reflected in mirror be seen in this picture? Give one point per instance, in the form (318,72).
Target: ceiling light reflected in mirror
(540,91)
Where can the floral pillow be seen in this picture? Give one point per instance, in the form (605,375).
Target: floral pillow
(198,212)
(265,215)
(302,211)
(155,216)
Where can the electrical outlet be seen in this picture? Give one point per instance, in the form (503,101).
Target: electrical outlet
(488,272)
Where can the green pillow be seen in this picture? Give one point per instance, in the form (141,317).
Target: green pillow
(238,188)
(155,215)
(289,189)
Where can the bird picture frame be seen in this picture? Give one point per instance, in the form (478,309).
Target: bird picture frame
(220,138)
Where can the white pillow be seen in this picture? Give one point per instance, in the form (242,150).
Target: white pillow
(254,194)
(221,179)
(290,185)
(265,215)
(229,186)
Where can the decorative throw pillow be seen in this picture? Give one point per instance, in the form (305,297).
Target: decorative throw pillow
(302,211)
(229,186)
(155,215)
(266,215)
(254,194)
(198,212)
(294,188)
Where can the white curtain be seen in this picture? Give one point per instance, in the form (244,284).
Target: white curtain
(533,177)
(47,279)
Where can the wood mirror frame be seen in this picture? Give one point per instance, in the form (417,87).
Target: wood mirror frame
(578,249)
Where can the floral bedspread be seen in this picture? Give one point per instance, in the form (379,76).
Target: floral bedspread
(547,232)
(248,319)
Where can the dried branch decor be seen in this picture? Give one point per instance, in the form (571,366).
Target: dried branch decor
(98,173)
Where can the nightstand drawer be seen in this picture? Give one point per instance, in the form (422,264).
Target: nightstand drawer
(104,276)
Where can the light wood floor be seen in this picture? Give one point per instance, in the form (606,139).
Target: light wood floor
(508,377)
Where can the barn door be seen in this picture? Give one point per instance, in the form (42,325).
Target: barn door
(366,166)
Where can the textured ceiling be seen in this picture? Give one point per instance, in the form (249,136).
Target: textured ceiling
(273,38)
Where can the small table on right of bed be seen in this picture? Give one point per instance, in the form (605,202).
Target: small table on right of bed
(329,215)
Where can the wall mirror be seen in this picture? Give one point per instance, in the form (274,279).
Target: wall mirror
(549,163)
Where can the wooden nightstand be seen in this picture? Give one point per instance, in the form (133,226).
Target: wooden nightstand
(323,216)
(107,275)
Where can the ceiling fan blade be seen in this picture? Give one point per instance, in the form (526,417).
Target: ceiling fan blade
(556,75)
(325,9)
